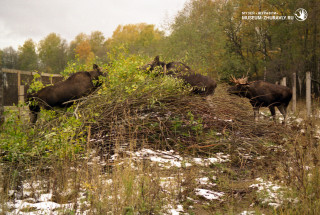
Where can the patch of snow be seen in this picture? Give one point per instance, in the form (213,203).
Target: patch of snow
(205,181)
(173,210)
(165,159)
(261,157)
(209,194)
(168,159)
(271,193)
(246,156)
(226,120)
(220,158)
(167,182)
(42,204)
(11,192)
(248,213)
(176,211)
(108,181)
(39,208)
(299,120)
(45,197)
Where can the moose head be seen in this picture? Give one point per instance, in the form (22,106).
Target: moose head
(241,86)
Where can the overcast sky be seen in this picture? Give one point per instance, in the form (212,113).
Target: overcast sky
(35,19)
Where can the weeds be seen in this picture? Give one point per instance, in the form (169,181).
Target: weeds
(82,159)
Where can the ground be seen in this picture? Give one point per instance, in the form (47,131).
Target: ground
(181,155)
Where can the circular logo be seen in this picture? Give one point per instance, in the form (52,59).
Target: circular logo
(301,14)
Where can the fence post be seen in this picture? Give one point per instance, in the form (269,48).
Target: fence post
(1,98)
(19,83)
(21,94)
(284,81)
(19,87)
(308,93)
(294,93)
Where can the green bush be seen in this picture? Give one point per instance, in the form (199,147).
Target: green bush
(63,135)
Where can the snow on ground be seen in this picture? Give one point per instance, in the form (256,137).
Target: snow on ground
(38,201)
(269,193)
(46,207)
(168,159)
(178,210)
(170,184)
(209,194)
(249,213)
(206,181)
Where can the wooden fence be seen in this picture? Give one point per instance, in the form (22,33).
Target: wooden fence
(14,85)
(294,92)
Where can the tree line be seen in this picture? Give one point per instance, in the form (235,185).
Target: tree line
(52,53)
(213,37)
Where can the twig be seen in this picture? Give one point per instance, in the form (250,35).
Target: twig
(75,111)
(75,100)
(200,147)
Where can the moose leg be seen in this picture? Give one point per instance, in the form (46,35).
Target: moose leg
(33,116)
(256,113)
(34,111)
(283,111)
(273,113)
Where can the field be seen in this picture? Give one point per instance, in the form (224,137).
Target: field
(145,145)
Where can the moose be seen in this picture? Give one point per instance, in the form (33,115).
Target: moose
(78,85)
(262,94)
(202,85)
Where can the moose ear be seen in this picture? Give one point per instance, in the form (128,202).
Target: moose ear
(156,59)
(96,67)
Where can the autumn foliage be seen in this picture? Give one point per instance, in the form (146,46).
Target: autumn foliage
(216,38)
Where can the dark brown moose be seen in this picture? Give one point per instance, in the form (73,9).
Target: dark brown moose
(201,84)
(76,86)
(263,94)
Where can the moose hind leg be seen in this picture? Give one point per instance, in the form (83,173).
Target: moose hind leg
(283,111)
(273,113)
(33,116)
(256,113)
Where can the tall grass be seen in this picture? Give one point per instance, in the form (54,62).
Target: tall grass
(59,151)
(302,169)
(83,155)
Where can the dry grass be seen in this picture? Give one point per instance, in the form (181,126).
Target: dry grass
(191,125)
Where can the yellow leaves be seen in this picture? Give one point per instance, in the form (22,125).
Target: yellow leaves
(88,186)
(84,51)
(136,37)
(132,88)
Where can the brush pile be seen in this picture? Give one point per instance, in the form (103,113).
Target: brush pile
(176,119)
